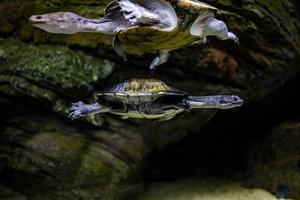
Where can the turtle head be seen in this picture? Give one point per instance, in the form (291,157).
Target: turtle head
(215,101)
(227,101)
(58,22)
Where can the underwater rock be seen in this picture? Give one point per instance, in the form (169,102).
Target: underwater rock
(40,153)
(205,189)
(8,194)
(47,73)
(274,161)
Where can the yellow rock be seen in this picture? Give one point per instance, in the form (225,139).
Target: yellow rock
(206,189)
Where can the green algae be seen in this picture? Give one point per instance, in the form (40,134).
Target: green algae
(52,66)
(69,162)
(48,72)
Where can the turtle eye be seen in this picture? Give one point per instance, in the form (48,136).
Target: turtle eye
(235,99)
(222,102)
(38,17)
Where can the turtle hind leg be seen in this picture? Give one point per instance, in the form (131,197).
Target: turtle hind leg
(119,47)
(219,29)
(81,109)
(207,25)
(233,37)
(160,59)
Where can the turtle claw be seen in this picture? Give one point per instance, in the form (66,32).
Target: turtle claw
(76,110)
(133,18)
(74,115)
(160,59)
(154,63)
(130,11)
(80,109)
(233,37)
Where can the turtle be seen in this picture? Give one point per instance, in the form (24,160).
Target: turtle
(149,25)
(148,99)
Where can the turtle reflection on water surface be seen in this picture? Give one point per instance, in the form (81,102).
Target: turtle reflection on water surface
(156,25)
(149,99)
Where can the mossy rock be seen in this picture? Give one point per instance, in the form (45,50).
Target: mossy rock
(44,154)
(48,73)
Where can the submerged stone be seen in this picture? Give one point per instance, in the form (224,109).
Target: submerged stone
(205,189)
(48,73)
(46,154)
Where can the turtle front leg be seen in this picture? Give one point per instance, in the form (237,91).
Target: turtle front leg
(137,14)
(80,109)
(119,47)
(160,59)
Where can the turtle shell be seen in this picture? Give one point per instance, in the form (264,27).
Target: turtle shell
(158,37)
(186,4)
(136,91)
(195,5)
(149,37)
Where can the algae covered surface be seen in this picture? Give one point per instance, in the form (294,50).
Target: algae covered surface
(48,155)
(65,71)
(43,155)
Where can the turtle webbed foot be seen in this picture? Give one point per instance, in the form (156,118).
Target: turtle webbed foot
(130,11)
(80,109)
(76,110)
(160,59)
(137,14)
(155,62)
(211,26)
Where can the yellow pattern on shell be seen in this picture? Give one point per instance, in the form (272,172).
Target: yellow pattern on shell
(135,86)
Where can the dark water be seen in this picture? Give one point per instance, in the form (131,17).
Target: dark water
(219,150)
